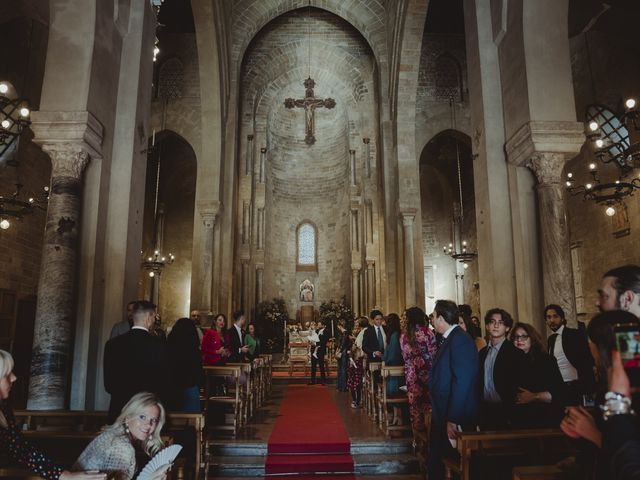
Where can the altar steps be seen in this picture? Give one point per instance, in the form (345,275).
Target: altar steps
(380,459)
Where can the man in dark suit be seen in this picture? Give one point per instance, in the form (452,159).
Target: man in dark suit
(374,340)
(572,354)
(136,361)
(235,337)
(500,371)
(317,357)
(453,385)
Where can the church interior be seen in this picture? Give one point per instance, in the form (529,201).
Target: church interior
(301,163)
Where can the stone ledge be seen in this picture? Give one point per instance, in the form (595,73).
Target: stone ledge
(80,127)
(549,136)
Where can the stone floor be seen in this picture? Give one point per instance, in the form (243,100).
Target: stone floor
(375,456)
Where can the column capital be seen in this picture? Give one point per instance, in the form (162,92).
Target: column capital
(355,268)
(371,262)
(263,150)
(547,167)
(250,137)
(366,140)
(58,131)
(408,216)
(67,159)
(565,138)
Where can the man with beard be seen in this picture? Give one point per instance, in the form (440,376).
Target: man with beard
(620,290)
(572,353)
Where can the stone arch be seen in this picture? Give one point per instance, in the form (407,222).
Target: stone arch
(176,196)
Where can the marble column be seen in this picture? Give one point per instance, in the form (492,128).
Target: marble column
(355,293)
(50,362)
(409,266)
(371,283)
(208,218)
(557,274)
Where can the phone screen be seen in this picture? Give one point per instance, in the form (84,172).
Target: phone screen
(628,344)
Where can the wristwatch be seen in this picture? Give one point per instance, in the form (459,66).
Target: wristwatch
(616,404)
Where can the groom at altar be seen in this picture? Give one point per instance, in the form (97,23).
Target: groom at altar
(318,355)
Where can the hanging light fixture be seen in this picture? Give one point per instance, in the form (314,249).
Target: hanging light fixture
(156,261)
(458,248)
(14,117)
(17,205)
(610,141)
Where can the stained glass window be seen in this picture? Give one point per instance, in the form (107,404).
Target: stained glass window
(306,244)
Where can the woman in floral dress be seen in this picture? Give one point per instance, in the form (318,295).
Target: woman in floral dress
(418,345)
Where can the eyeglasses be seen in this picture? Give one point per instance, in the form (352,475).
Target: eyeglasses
(520,337)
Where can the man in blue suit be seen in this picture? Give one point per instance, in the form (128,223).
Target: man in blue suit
(453,385)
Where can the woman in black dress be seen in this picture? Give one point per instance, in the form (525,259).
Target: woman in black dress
(540,400)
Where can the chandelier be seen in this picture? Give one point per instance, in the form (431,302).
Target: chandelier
(462,255)
(610,140)
(17,206)
(14,116)
(155,263)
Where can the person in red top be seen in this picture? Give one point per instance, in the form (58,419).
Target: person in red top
(214,348)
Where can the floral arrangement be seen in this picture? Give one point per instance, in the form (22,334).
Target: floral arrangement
(340,312)
(270,318)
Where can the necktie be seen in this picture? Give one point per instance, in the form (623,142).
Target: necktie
(380,339)
(552,342)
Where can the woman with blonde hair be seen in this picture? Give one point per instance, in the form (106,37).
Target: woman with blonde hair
(137,429)
(12,441)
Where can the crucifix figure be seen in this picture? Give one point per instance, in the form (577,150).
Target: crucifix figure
(309,103)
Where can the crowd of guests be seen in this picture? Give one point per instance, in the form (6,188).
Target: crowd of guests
(510,378)
(455,380)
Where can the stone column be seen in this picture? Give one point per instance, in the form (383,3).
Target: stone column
(57,284)
(367,156)
(355,294)
(352,165)
(371,283)
(248,166)
(544,147)
(259,283)
(208,218)
(557,274)
(244,287)
(263,154)
(409,268)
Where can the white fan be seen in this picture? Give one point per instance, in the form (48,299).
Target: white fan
(160,463)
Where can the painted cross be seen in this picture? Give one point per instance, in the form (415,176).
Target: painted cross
(309,103)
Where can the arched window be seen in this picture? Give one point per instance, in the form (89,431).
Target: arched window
(448,78)
(307,247)
(614,133)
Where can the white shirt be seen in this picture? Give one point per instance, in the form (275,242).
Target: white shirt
(137,327)
(568,371)
(449,330)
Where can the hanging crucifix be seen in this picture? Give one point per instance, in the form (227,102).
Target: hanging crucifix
(309,103)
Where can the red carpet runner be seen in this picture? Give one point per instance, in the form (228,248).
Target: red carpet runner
(309,437)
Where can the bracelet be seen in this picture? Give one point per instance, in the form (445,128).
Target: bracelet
(616,404)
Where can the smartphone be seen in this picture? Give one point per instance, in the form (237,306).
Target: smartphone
(627,338)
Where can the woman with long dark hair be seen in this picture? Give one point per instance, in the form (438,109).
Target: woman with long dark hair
(215,350)
(540,399)
(186,366)
(392,357)
(418,345)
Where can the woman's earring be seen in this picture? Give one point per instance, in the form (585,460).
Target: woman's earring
(126,428)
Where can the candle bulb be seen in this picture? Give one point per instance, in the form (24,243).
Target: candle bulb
(153,138)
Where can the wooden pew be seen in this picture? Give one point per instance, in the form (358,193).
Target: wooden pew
(72,431)
(228,375)
(268,358)
(385,401)
(482,442)
(246,390)
(369,387)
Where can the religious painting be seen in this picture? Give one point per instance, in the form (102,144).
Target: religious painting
(306,291)
(620,221)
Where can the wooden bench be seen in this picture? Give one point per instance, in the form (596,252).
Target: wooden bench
(78,428)
(247,373)
(369,386)
(385,401)
(227,375)
(484,442)
(537,472)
